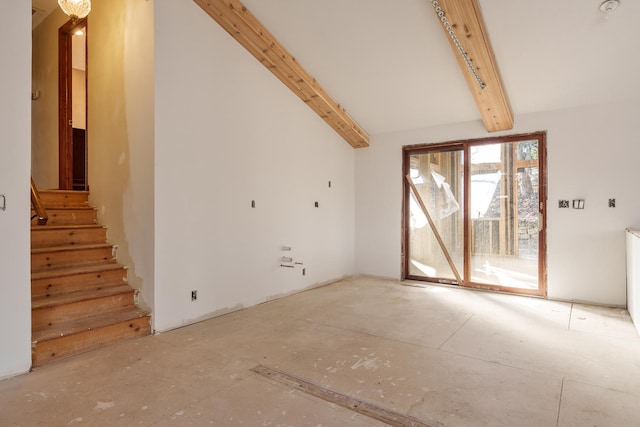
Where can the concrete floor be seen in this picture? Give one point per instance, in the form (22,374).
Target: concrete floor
(449,357)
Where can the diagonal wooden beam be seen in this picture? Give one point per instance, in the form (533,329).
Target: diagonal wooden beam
(466,20)
(236,19)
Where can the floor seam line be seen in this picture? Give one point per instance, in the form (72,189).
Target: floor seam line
(495,362)
(455,332)
(560,402)
(379,336)
(362,407)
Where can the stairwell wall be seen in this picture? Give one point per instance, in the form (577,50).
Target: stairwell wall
(229,133)
(120,132)
(15,146)
(44,110)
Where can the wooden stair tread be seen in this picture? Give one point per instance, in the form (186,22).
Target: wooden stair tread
(56,191)
(63,193)
(69,215)
(78,296)
(62,248)
(87,324)
(69,208)
(89,268)
(64,227)
(59,198)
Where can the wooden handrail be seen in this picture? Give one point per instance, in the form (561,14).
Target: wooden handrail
(36,202)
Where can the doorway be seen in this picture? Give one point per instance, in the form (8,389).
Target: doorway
(72,88)
(474,213)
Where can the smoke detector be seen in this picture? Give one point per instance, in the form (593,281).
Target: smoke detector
(607,7)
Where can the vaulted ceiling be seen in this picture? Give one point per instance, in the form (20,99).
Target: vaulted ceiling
(389,64)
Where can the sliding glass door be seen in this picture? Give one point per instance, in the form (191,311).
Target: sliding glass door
(474,213)
(435,215)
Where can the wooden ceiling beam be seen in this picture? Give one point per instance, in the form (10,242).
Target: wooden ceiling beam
(466,20)
(236,19)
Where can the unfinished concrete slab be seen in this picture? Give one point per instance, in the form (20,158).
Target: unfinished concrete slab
(444,356)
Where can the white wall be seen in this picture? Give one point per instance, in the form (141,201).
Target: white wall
(228,132)
(633,276)
(593,154)
(79,98)
(120,131)
(138,213)
(15,160)
(44,110)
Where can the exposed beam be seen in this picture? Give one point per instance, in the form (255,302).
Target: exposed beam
(466,20)
(236,19)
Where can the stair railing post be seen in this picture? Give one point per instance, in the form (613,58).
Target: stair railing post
(38,206)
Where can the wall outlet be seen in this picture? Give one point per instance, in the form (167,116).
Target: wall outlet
(612,203)
(194,295)
(563,203)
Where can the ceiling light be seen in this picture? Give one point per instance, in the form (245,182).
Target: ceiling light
(75,9)
(456,42)
(607,7)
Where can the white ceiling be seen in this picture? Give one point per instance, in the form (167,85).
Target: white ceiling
(389,64)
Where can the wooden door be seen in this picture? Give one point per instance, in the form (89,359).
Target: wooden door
(65,110)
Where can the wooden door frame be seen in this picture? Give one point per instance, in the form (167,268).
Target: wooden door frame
(65,101)
(542,209)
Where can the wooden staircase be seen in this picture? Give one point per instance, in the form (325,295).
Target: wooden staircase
(80,299)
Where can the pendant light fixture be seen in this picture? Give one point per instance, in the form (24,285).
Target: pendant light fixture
(75,9)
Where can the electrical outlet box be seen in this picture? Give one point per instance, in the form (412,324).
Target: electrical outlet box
(563,204)
(194,295)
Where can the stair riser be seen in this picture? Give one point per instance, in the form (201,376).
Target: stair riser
(70,217)
(42,317)
(84,301)
(73,344)
(42,237)
(56,260)
(77,282)
(64,199)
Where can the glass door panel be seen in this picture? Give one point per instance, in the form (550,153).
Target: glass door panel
(436,216)
(474,213)
(504,215)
